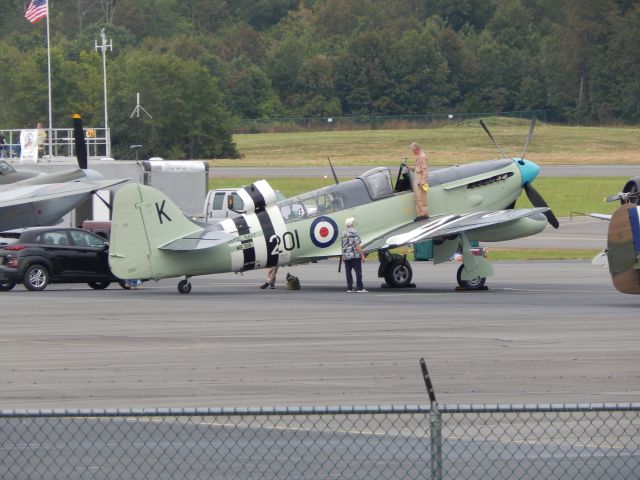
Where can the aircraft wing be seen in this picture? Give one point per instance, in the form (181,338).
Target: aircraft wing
(599,216)
(447,225)
(199,240)
(37,193)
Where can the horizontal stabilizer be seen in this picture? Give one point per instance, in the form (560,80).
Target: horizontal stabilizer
(208,238)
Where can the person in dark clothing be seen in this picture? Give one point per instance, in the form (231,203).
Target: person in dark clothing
(353,256)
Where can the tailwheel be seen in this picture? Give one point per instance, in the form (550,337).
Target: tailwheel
(398,273)
(476,283)
(184,286)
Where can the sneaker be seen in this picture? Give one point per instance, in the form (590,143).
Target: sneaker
(349,290)
(272,287)
(362,291)
(264,285)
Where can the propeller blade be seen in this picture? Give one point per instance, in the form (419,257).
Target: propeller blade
(493,139)
(81,144)
(623,197)
(529,136)
(537,201)
(613,198)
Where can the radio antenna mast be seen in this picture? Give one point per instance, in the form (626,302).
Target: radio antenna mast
(136,111)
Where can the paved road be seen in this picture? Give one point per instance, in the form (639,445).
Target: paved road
(352,172)
(543,332)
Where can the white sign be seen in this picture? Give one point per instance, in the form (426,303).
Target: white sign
(29,146)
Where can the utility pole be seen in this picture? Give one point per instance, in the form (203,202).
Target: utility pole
(103,47)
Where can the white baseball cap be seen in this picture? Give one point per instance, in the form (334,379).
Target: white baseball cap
(349,221)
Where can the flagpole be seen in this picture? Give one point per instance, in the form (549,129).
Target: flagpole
(49,78)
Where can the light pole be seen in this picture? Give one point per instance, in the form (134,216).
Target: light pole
(103,47)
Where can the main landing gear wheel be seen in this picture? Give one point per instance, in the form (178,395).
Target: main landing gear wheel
(477,283)
(184,286)
(398,273)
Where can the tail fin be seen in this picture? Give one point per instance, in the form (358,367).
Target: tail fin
(623,245)
(143,220)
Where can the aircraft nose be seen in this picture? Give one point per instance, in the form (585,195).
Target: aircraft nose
(528,170)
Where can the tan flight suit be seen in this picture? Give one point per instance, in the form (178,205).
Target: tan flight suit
(419,178)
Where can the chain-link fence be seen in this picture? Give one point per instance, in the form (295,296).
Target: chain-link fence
(377,122)
(588,441)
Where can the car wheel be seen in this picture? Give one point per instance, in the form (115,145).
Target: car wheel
(475,283)
(99,285)
(124,284)
(36,278)
(6,286)
(398,273)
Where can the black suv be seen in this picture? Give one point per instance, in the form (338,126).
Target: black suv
(42,255)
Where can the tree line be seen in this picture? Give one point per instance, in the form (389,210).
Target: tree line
(203,65)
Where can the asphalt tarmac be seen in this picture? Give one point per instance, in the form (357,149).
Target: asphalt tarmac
(544,332)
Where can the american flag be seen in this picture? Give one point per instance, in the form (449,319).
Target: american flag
(37,11)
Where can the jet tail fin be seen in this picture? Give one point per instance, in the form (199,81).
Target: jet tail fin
(144,219)
(623,246)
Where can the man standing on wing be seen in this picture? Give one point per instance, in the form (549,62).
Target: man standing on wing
(420,181)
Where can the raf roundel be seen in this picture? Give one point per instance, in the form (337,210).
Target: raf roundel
(324,232)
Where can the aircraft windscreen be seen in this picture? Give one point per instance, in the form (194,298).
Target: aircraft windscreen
(378,182)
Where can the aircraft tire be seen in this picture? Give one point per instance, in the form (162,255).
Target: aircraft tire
(6,286)
(398,273)
(475,284)
(36,278)
(184,286)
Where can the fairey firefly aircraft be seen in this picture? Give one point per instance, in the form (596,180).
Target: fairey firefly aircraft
(152,239)
(29,199)
(623,239)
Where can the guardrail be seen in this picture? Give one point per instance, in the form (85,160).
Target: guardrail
(575,441)
(62,143)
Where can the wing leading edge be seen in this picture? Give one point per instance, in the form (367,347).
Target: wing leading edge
(37,193)
(454,224)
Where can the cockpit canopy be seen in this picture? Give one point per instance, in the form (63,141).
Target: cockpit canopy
(370,186)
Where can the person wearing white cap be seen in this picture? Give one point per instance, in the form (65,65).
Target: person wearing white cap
(352,255)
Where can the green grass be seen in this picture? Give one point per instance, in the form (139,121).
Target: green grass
(576,194)
(446,145)
(563,194)
(497,254)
